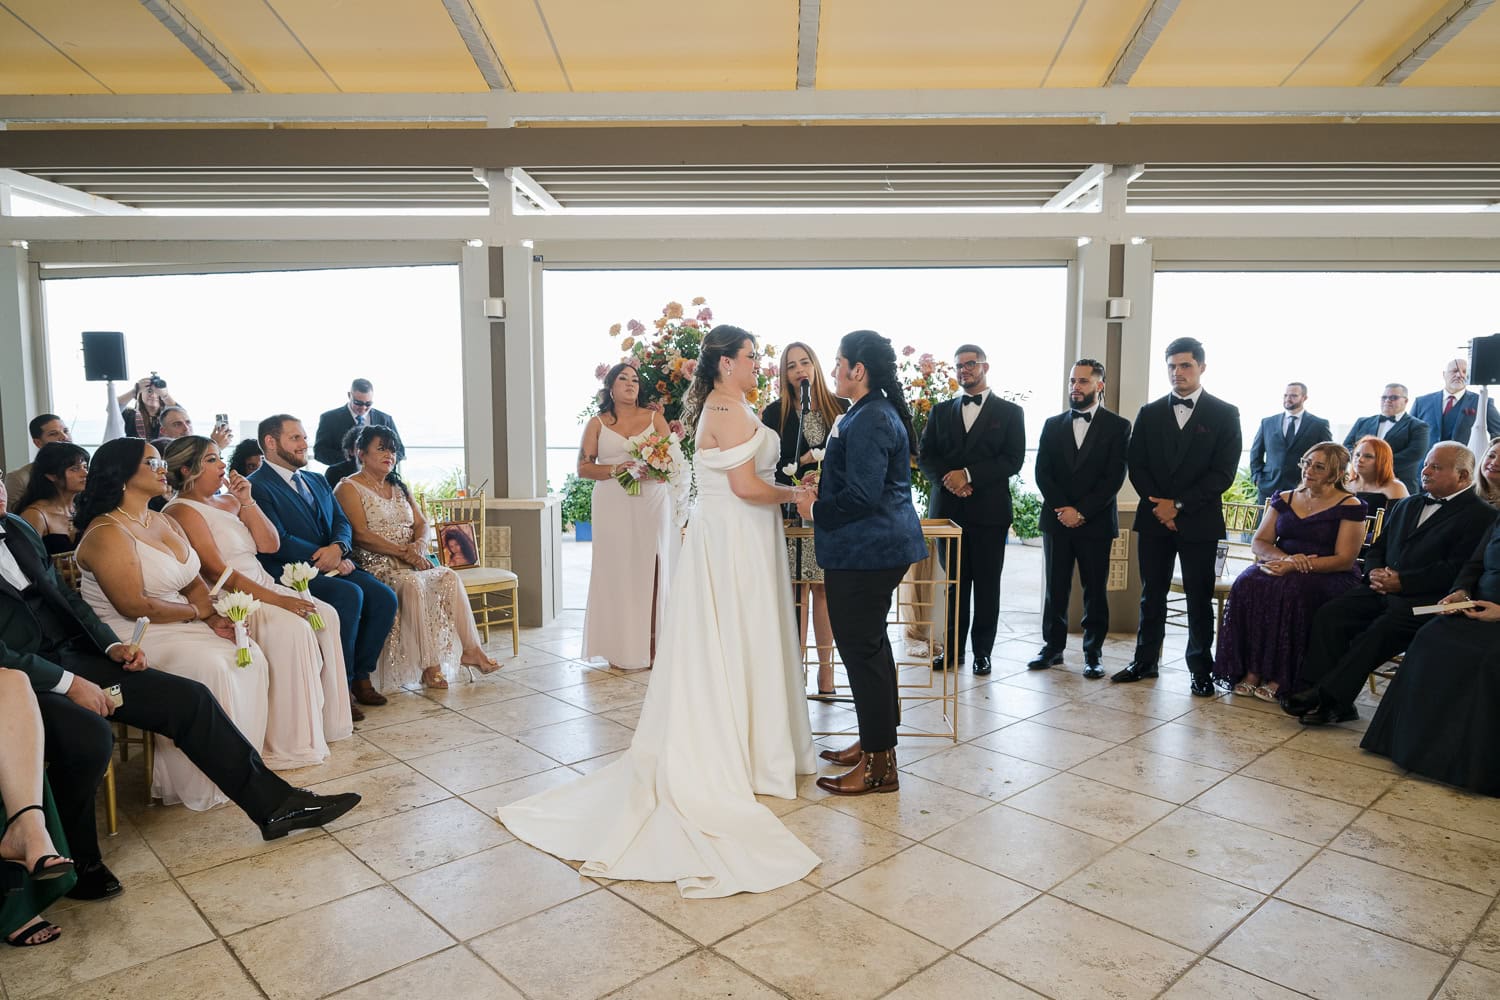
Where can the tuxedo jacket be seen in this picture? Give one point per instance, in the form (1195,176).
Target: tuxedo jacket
(1408,441)
(20,631)
(1087,478)
(328,443)
(1273,461)
(303,529)
(1430,556)
(1193,465)
(1459,423)
(992,450)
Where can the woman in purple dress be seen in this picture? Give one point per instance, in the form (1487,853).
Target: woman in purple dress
(1304,556)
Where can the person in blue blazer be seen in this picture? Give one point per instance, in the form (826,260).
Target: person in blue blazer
(1452,410)
(866,535)
(314,530)
(1406,435)
(1282,440)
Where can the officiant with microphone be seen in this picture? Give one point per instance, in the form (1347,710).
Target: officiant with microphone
(802,415)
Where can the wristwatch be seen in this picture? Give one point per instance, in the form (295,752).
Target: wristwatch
(1177,504)
(343,550)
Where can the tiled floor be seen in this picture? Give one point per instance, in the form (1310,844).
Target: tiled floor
(1086,840)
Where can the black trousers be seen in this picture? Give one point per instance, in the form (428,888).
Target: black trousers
(79,742)
(980,564)
(1352,635)
(858,602)
(1060,551)
(1157,553)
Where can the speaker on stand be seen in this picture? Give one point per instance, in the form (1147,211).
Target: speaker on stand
(1484,360)
(104,356)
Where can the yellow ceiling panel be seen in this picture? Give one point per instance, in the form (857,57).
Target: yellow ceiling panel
(1238,43)
(259,42)
(1470,60)
(28,65)
(889,44)
(676,44)
(1101,31)
(520,38)
(383,46)
(120,43)
(1362,43)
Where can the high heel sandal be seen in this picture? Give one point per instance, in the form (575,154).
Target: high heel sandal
(489,666)
(433,679)
(41,871)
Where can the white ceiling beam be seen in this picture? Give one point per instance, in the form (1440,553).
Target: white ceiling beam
(212,53)
(61,196)
(1148,29)
(1085,182)
(809,19)
(1115,104)
(481,49)
(1445,25)
(525,184)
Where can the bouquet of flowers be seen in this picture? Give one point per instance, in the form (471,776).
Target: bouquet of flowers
(298,575)
(790,468)
(654,457)
(237,606)
(926,382)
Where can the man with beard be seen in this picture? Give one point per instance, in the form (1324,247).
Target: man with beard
(313,530)
(1080,467)
(1282,440)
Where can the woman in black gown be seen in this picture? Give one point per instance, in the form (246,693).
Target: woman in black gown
(1440,717)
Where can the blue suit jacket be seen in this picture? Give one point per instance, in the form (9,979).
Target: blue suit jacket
(303,529)
(1459,423)
(1273,465)
(864,517)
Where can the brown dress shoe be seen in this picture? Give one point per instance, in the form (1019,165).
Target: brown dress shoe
(364,692)
(354,712)
(847,757)
(877,773)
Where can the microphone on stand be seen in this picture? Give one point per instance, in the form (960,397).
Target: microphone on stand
(806,395)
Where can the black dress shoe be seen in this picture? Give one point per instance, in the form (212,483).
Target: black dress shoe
(1091,667)
(303,809)
(95,882)
(1325,714)
(1135,672)
(1301,703)
(940,661)
(1202,686)
(1046,658)
(981,665)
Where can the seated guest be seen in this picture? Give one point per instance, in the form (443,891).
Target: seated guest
(176,423)
(1426,541)
(137,564)
(246,457)
(358,411)
(1488,482)
(33,874)
(309,700)
(60,472)
(1406,435)
(50,634)
(1438,717)
(434,630)
(1372,474)
(1453,409)
(1304,556)
(350,465)
(45,429)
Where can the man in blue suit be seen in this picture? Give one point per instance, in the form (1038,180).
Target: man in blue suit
(1280,442)
(314,530)
(1451,411)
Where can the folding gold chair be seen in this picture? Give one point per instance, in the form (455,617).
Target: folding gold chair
(1241,521)
(492,590)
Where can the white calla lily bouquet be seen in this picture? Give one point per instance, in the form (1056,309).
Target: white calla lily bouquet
(298,575)
(238,606)
(790,468)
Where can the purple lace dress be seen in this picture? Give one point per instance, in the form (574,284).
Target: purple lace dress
(1267,619)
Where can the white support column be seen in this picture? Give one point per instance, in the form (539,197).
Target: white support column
(478,334)
(18,399)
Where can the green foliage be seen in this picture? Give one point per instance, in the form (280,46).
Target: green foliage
(444,489)
(1026,510)
(578,500)
(1242,490)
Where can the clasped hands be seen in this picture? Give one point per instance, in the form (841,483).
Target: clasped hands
(957,483)
(806,493)
(1484,611)
(330,559)
(1284,565)
(1165,511)
(1387,581)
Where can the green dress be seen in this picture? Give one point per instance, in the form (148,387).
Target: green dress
(18,910)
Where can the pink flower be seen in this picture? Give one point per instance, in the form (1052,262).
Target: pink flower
(655,404)
(634,363)
(601,371)
(692,323)
(772,370)
(636,327)
(688,367)
(927,359)
(908,351)
(705,315)
(675,427)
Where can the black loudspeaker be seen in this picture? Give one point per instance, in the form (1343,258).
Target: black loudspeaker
(1484,360)
(104,356)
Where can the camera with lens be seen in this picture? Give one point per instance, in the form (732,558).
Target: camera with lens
(156,381)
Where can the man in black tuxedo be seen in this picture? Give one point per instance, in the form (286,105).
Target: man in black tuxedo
(1406,434)
(357,412)
(1184,453)
(48,633)
(971,447)
(1452,410)
(1281,441)
(1426,541)
(1080,467)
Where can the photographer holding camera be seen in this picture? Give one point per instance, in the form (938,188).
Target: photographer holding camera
(151,397)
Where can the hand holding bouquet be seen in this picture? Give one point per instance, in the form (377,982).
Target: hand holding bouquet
(237,606)
(653,457)
(790,469)
(298,575)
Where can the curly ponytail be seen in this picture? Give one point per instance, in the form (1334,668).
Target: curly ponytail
(723,341)
(868,348)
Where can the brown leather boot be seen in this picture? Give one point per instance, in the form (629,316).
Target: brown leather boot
(364,692)
(847,757)
(877,773)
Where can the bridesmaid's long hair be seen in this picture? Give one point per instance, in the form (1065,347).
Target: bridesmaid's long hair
(824,401)
(868,348)
(387,437)
(113,465)
(723,341)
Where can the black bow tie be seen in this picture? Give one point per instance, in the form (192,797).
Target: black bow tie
(1181,401)
(1427,501)
(976,400)
(1083,415)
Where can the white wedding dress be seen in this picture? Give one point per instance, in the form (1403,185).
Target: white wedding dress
(725,718)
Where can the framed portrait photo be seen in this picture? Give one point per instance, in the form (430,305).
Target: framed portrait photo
(457,546)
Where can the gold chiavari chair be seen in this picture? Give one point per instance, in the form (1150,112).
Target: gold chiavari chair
(492,590)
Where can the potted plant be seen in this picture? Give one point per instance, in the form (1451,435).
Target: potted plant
(1026,512)
(578,507)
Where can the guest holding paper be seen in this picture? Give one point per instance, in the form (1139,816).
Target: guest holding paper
(1304,557)
(867,535)
(58,475)
(309,704)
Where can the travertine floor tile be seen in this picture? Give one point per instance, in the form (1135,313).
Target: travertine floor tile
(845,843)
(601,696)
(972,720)
(485,690)
(345,757)
(186,841)
(701,976)
(1440,805)
(1429,851)
(577,739)
(175,977)
(556,674)
(1021,846)
(981,772)
(517,715)
(425,736)
(918,810)
(1091,806)
(1228,850)
(493,888)
(1097,721)
(956,977)
(386,791)
(1008,699)
(1331,779)
(1286,811)
(487,800)
(266,887)
(1211,749)
(1155,702)
(454,974)
(1485,948)
(400,707)
(1153,774)
(1043,744)
(1210,980)
(1470,982)
(423,838)
(1339,743)
(709,920)
(479,765)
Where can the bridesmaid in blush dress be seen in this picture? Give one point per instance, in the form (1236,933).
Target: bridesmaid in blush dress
(632,534)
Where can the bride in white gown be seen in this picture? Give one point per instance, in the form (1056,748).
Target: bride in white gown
(725,716)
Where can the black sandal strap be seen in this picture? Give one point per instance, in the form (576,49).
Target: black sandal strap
(20,812)
(31,931)
(42,872)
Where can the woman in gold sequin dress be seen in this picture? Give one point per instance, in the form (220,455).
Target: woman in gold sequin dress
(434,632)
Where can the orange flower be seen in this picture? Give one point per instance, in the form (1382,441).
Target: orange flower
(699,300)
(953,385)
(661,386)
(752,396)
(661,322)
(614,331)
(627,343)
(924,404)
(673,310)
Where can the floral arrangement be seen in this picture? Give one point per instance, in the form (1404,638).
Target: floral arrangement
(925,382)
(298,575)
(654,456)
(237,606)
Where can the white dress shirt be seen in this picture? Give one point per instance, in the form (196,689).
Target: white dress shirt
(1386,423)
(1286,421)
(1182,413)
(1081,427)
(1429,509)
(969,411)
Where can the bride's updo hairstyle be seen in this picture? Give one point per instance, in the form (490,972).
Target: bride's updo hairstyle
(113,465)
(723,341)
(868,348)
(184,458)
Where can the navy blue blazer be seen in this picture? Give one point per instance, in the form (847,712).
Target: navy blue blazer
(303,530)
(1459,423)
(1273,465)
(864,517)
(1408,441)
